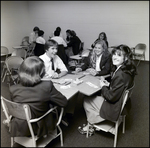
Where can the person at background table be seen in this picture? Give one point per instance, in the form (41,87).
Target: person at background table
(39,95)
(40,42)
(57,29)
(108,105)
(62,45)
(33,35)
(98,63)
(74,42)
(102,36)
(68,35)
(54,66)
(58,38)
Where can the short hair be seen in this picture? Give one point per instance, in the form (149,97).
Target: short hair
(56,33)
(68,31)
(36,28)
(58,29)
(50,43)
(40,32)
(31,71)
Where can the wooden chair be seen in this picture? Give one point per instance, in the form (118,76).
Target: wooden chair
(22,111)
(112,127)
(139,52)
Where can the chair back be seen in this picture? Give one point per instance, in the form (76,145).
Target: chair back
(140,48)
(4,50)
(15,109)
(25,41)
(20,53)
(13,62)
(127,94)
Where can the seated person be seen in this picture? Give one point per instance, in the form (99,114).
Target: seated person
(39,95)
(68,35)
(108,105)
(54,66)
(33,35)
(40,42)
(98,63)
(102,36)
(59,39)
(61,47)
(57,29)
(74,42)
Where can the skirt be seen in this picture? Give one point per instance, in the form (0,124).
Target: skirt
(92,106)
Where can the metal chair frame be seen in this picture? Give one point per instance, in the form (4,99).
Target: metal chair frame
(139,52)
(4,55)
(12,64)
(110,126)
(22,111)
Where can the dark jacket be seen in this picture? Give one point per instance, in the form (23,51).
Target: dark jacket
(105,64)
(112,104)
(75,44)
(39,49)
(39,98)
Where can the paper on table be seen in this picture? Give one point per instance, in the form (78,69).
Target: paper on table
(65,86)
(92,85)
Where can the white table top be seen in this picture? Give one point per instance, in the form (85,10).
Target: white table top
(89,85)
(19,47)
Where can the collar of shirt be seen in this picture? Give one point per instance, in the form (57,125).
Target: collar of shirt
(98,60)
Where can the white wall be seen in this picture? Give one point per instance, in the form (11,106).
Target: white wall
(124,22)
(15,23)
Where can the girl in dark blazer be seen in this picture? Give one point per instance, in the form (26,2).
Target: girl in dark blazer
(108,105)
(74,42)
(98,63)
(39,95)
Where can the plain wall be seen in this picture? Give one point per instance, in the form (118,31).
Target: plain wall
(124,22)
(15,23)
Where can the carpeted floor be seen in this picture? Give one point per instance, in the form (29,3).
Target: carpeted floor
(137,122)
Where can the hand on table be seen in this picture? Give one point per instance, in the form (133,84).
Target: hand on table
(78,69)
(55,75)
(92,71)
(104,83)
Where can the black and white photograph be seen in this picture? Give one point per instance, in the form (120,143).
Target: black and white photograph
(75,74)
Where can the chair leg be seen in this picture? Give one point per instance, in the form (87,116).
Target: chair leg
(4,76)
(88,126)
(116,134)
(61,136)
(123,128)
(12,141)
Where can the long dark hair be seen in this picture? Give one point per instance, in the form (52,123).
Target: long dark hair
(128,64)
(31,71)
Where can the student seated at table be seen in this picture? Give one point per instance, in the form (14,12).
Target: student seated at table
(54,66)
(74,42)
(38,94)
(98,63)
(102,36)
(107,106)
(33,35)
(40,42)
(61,47)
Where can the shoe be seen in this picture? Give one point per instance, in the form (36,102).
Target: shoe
(81,131)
